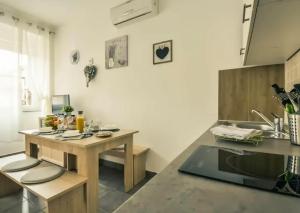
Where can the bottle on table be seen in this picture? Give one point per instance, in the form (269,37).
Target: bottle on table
(80,121)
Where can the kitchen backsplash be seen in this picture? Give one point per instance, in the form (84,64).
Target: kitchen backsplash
(292,71)
(244,89)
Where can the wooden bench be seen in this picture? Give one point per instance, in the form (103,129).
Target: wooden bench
(139,160)
(64,194)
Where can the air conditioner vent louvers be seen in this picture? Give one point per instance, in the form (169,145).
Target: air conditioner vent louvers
(133,9)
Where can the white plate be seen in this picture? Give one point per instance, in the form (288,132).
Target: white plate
(45,129)
(104,134)
(109,127)
(71,133)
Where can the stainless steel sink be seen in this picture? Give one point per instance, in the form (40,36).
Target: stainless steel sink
(257,126)
(268,131)
(276,135)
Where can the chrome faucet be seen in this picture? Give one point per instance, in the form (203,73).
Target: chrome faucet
(277,125)
(266,119)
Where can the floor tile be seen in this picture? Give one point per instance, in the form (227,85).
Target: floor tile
(113,199)
(100,210)
(33,199)
(112,178)
(112,184)
(24,207)
(10,201)
(103,190)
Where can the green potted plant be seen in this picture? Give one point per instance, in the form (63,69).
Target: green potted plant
(68,110)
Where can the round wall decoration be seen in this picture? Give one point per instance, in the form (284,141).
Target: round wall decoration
(75,56)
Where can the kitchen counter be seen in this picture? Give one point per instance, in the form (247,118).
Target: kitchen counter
(171,191)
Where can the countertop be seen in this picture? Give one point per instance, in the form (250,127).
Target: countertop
(171,191)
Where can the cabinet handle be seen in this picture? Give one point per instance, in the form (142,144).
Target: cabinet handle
(242,51)
(244,12)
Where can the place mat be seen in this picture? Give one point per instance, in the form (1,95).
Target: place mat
(54,132)
(42,174)
(20,165)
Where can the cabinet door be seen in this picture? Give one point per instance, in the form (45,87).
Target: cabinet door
(246,21)
(275,32)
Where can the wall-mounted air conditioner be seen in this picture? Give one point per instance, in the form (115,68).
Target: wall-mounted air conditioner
(133,9)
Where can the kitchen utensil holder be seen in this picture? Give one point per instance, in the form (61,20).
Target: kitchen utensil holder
(294,127)
(293,165)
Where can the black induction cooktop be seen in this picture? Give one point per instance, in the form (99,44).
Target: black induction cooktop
(271,172)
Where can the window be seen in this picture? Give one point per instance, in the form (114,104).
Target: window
(34,69)
(24,73)
(29,96)
(9,77)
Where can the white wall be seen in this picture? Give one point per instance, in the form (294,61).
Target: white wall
(170,104)
(29,120)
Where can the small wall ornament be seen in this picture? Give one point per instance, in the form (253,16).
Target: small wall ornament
(75,56)
(90,72)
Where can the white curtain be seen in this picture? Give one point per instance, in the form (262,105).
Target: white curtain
(35,52)
(24,48)
(9,83)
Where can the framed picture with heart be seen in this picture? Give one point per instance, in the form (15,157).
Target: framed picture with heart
(163,52)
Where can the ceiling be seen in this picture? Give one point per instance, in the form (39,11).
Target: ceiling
(51,12)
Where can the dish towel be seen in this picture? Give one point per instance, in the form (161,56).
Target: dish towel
(234,132)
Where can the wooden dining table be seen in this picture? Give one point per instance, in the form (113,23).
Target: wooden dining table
(82,156)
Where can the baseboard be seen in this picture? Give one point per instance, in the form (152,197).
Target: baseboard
(120,166)
(15,153)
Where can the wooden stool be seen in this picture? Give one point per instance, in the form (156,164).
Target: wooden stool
(63,194)
(139,160)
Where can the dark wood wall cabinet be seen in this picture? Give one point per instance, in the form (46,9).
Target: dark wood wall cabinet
(244,89)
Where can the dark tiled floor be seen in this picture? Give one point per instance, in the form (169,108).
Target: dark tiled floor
(111,195)
(22,202)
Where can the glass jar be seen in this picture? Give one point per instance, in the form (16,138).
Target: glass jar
(80,121)
(71,122)
(61,122)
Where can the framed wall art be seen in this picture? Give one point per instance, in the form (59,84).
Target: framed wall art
(163,52)
(116,52)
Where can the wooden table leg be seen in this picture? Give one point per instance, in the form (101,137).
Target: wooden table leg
(128,165)
(88,166)
(27,145)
